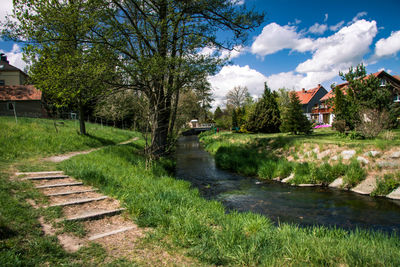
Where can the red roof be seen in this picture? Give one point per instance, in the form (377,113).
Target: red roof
(343,86)
(19,92)
(306,95)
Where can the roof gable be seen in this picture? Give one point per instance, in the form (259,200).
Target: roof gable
(305,96)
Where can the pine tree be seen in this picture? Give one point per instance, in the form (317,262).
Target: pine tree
(294,120)
(234,119)
(217,113)
(266,116)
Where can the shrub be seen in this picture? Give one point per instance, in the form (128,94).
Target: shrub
(387,184)
(284,168)
(354,174)
(303,174)
(339,125)
(372,122)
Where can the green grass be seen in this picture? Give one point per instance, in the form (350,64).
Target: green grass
(22,242)
(354,174)
(207,232)
(387,184)
(38,137)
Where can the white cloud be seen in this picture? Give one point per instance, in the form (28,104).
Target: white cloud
(336,26)
(224,54)
(330,55)
(326,17)
(358,16)
(15,57)
(6,9)
(341,50)
(237,2)
(389,46)
(274,38)
(318,28)
(235,75)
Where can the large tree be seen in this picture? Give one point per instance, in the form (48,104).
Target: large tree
(158,43)
(64,65)
(237,96)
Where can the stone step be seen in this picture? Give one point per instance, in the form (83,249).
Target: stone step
(95,215)
(58,185)
(124,229)
(395,194)
(70,193)
(46,177)
(39,173)
(79,201)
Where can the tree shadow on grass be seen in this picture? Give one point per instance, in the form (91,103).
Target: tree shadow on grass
(102,141)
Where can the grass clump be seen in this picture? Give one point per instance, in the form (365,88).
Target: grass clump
(387,184)
(354,174)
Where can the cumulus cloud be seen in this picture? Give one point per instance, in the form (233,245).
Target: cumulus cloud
(358,16)
(237,2)
(235,75)
(15,57)
(224,54)
(318,28)
(389,46)
(336,26)
(6,9)
(331,54)
(274,38)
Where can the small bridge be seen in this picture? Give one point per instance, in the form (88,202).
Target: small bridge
(199,129)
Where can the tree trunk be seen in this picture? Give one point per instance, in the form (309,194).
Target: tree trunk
(82,127)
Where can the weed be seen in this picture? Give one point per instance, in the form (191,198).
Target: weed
(387,184)
(354,174)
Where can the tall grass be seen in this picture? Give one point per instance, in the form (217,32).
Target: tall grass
(38,137)
(387,184)
(204,228)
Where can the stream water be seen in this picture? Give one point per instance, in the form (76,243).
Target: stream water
(280,202)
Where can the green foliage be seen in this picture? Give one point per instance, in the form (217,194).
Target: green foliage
(217,113)
(387,184)
(293,119)
(354,174)
(265,117)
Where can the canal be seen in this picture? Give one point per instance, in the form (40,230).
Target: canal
(304,206)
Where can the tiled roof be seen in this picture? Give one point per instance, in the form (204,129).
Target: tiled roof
(397,77)
(19,92)
(343,86)
(306,95)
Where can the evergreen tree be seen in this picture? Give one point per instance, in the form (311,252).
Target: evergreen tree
(234,119)
(294,120)
(217,113)
(266,116)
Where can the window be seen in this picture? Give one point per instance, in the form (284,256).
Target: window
(10,106)
(382,82)
(396,98)
(2,82)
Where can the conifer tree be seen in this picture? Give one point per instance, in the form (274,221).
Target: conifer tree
(294,120)
(266,116)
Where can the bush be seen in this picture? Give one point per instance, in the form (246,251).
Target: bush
(372,122)
(340,126)
(303,174)
(354,174)
(387,184)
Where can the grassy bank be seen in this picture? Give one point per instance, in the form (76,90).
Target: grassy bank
(174,210)
(308,157)
(39,137)
(22,242)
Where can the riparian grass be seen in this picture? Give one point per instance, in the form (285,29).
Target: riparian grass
(207,232)
(387,184)
(38,137)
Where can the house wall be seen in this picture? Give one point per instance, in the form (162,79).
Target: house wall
(26,108)
(315,100)
(13,77)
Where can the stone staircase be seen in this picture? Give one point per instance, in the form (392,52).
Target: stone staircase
(102,216)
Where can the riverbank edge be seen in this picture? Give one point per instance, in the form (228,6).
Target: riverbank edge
(362,188)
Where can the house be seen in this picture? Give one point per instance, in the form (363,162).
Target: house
(310,98)
(324,110)
(10,75)
(16,98)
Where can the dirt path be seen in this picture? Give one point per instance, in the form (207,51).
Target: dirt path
(69,155)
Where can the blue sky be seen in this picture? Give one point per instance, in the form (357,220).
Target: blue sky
(301,44)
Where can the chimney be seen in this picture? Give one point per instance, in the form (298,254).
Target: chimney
(303,90)
(3,57)
(319,85)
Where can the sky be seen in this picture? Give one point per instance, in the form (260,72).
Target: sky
(299,45)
